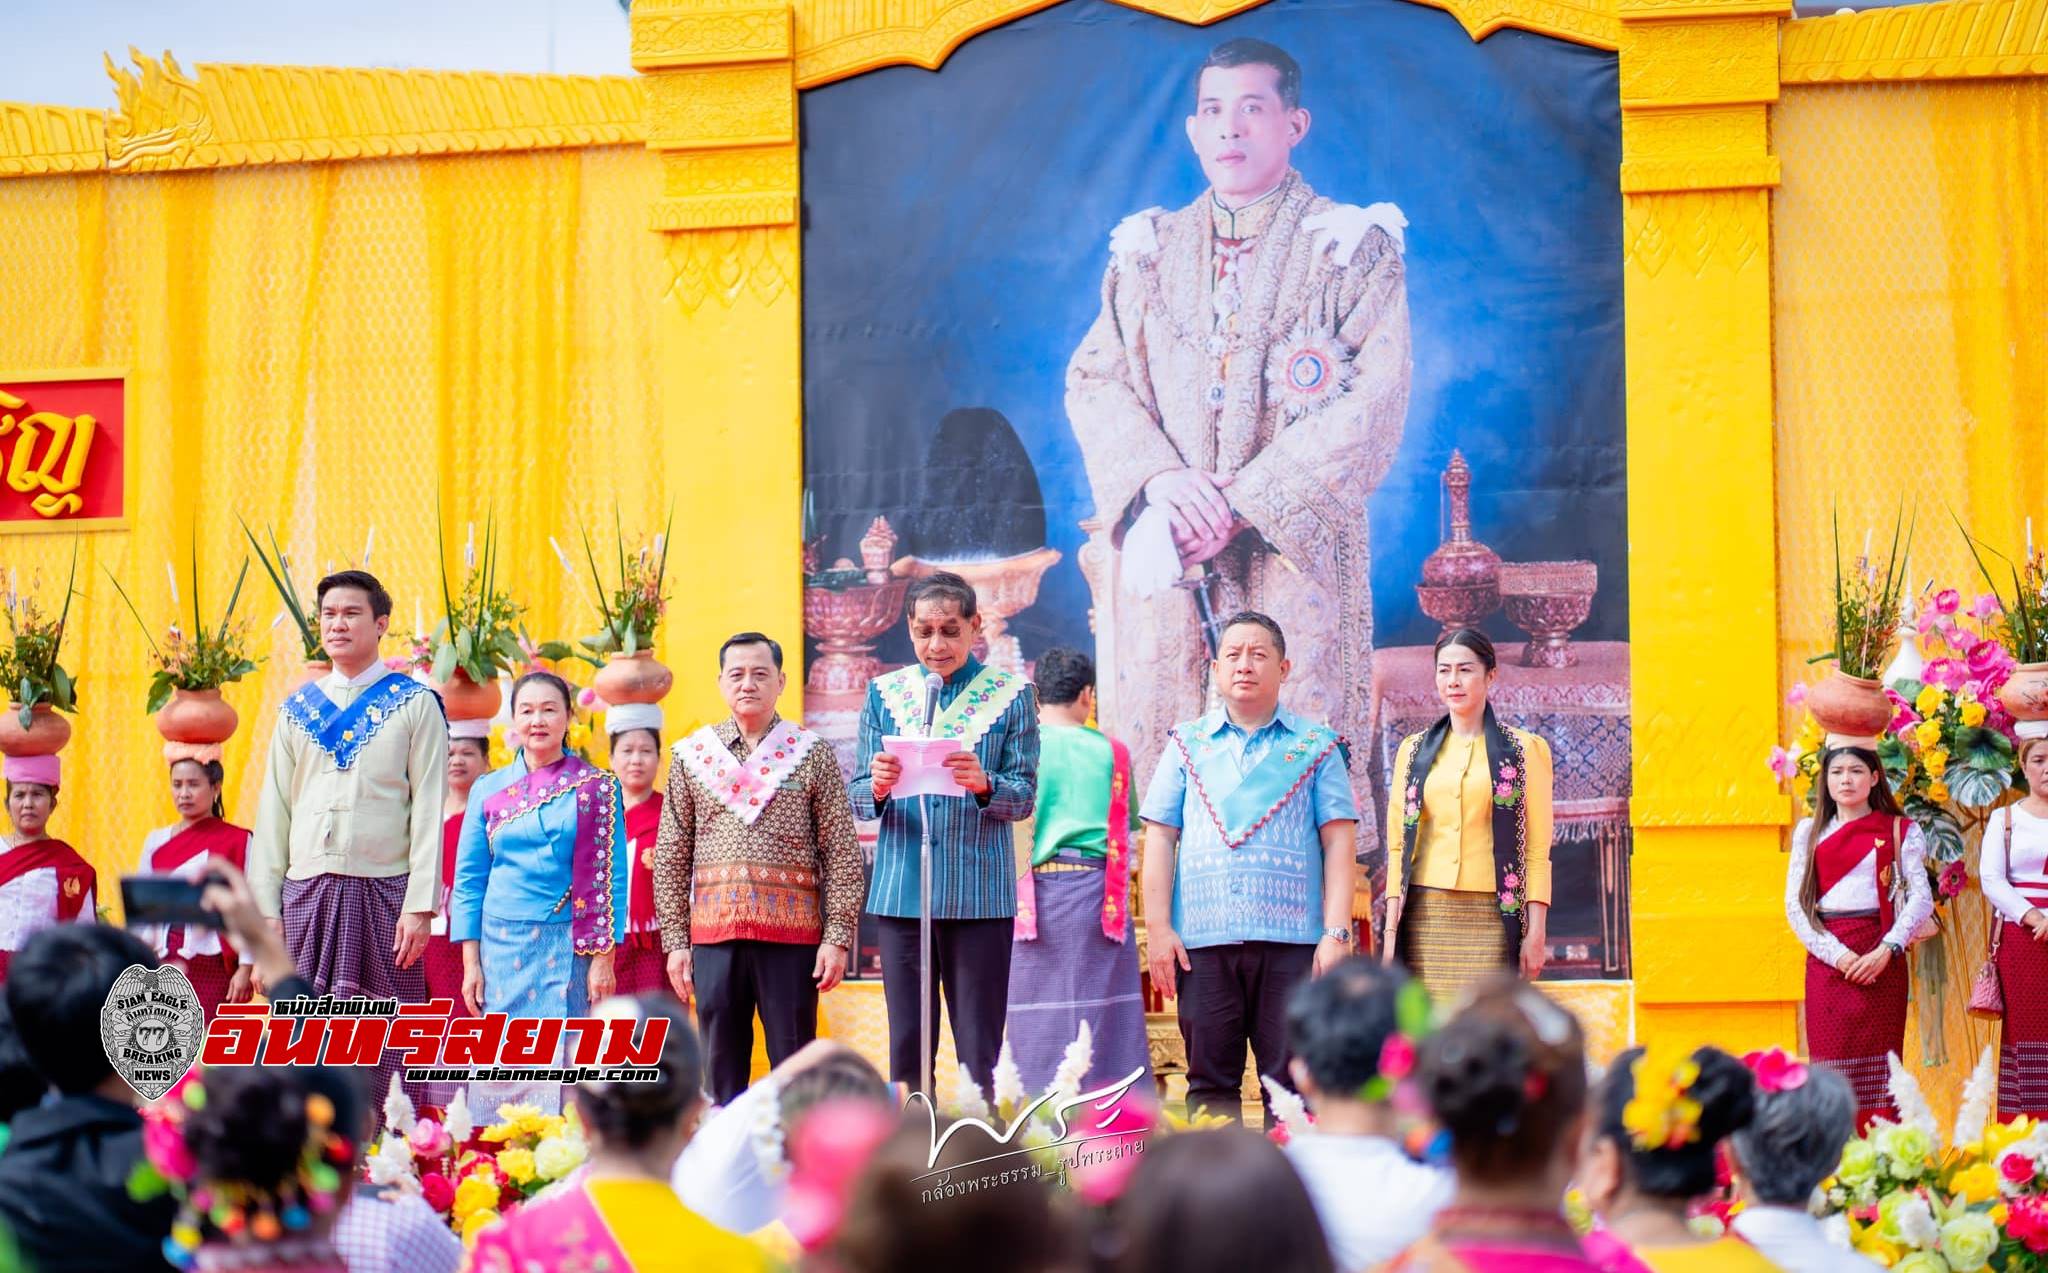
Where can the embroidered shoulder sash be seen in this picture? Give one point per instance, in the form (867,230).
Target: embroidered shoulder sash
(591,866)
(744,787)
(1240,806)
(75,877)
(342,732)
(966,718)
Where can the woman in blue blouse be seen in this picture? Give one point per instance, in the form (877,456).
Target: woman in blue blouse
(539,903)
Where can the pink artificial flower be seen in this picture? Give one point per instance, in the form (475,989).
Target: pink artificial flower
(1782,764)
(1962,640)
(163,1141)
(1948,601)
(1986,607)
(1954,877)
(428,1139)
(2017,1168)
(2028,1219)
(1903,715)
(1397,1057)
(1776,1070)
(1796,695)
(1990,662)
(828,1151)
(437,1191)
(1127,1123)
(587,699)
(397,663)
(1947,673)
(1509,772)
(1278,1134)
(1503,790)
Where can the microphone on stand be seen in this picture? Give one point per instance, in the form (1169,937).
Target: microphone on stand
(932,684)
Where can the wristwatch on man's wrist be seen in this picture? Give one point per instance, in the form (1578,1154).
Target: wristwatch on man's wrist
(1894,947)
(1341,934)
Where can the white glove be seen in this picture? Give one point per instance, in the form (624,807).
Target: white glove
(1342,228)
(1151,563)
(1134,237)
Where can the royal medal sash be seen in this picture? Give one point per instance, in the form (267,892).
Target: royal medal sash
(341,732)
(966,718)
(596,793)
(744,787)
(1116,860)
(1251,802)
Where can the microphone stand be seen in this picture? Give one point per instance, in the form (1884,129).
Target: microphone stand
(924,947)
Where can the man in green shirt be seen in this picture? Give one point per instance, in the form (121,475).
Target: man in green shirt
(1075,958)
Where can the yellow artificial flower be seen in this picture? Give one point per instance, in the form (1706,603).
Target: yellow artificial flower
(518,1164)
(474,1224)
(1662,1114)
(475,1193)
(1195,1122)
(1809,738)
(1930,700)
(1937,791)
(1928,732)
(1973,1184)
(501,754)
(2000,1214)
(1999,1137)
(1973,714)
(1885,1253)
(1936,760)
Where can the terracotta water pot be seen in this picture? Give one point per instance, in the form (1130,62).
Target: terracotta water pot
(46,735)
(196,716)
(632,678)
(1850,705)
(2025,692)
(466,700)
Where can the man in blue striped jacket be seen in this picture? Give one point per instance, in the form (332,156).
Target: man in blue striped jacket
(994,717)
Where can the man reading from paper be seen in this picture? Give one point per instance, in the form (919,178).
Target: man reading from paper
(1241,393)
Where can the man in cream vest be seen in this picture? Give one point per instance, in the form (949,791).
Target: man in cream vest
(1241,393)
(346,854)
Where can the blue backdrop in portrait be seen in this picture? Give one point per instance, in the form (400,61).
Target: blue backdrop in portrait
(955,235)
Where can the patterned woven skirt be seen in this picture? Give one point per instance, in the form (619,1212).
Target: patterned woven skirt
(1451,939)
(2023,1051)
(1853,1028)
(642,967)
(531,970)
(339,930)
(1072,973)
(443,964)
(209,975)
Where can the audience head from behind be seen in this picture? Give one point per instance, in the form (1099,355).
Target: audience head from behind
(1660,1116)
(647,1124)
(844,1075)
(976,1207)
(1219,1201)
(22,1085)
(1795,1138)
(1338,1028)
(56,985)
(1506,1080)
(284,1139)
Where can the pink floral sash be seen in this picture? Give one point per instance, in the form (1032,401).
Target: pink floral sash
(1116,863)
(744,787)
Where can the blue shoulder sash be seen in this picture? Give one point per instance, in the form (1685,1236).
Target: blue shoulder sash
(341,732)
(1239,806)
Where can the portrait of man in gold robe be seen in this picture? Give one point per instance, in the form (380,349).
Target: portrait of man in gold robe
(1237,399)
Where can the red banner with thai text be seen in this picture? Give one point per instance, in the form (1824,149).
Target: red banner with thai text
(63,452)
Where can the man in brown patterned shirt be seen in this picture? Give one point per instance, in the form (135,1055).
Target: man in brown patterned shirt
(757,872)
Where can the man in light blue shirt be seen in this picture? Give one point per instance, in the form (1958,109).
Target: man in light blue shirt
(1250,832)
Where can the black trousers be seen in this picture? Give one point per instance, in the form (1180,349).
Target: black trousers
(1232,996)
(735,979)
(971,967)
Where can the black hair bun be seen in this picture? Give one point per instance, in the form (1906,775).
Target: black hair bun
(1477,1079)
(252,1128)
(1726,1092)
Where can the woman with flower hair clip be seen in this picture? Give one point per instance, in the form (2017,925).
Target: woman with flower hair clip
(1658,1120)
(1506,1081)
(260,1161)
(1468,834)
(1855,891)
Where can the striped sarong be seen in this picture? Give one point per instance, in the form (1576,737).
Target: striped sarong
(1853,1027)
(339,930)
(2023,1047)
(530,970)
(1069,973)
(1451,939)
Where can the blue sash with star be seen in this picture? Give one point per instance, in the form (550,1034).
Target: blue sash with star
(1239,806)
(341,732)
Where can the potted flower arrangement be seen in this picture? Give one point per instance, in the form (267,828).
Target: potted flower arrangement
(2022,628)
(278,565)
(184,691)
(623,650)
(479,636)
(35,685)
(472,1175)
(1851,702)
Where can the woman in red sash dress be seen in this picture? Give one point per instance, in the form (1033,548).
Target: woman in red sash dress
(1856,890)
(635,730)
(42,880)
(469,758)
(183,849)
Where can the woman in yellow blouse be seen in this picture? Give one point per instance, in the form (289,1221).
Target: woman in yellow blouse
(1468,834)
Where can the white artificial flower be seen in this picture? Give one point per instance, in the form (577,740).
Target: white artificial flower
(1910,1101)
(1009,1084)
(457,1118)
(967,1099)
(1080,1054)
(1287,1107)
(1835,1229)
(391,1165)
(1976,1107)
(766,1133)
(398,1113)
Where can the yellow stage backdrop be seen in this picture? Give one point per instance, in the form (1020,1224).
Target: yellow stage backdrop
(338,290)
